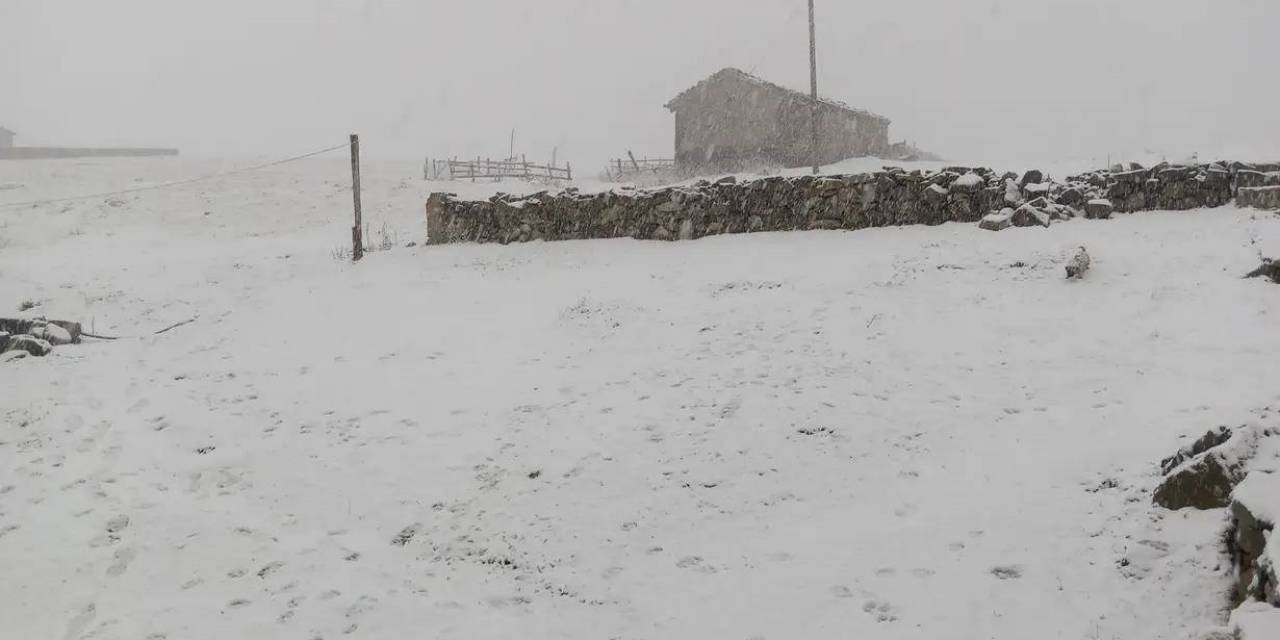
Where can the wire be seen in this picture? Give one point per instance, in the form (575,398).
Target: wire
(166,185)
(156,333)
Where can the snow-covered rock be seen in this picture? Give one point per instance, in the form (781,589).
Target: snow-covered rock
(1098,209)
(30,344)
(997,221)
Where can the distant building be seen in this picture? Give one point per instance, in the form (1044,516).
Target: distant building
(734,120)
(10,152)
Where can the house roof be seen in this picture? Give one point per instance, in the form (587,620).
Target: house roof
(8,131)
(738,74)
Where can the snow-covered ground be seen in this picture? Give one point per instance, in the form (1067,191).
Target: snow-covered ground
(893,433)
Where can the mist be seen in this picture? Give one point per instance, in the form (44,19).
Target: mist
(988,79)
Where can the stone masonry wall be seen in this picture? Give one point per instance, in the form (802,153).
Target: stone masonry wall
(885,198)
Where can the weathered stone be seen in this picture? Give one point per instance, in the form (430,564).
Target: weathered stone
(1203,475)
(1202,444)
(1029,216)
(1034,176)
(1269,269)
(1255,578)
(997,221)
(1012,193)
(1071,197)
(968,183)
(686,229)
(1259,197)
(1100,209)
(1204,484)
(30,344)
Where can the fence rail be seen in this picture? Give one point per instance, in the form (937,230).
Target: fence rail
(484,168)
(631,167)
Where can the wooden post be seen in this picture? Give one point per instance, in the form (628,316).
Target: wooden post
(568,169)
(357,235)
(813,87)
(633,160)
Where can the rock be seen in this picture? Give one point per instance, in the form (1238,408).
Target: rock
(1029,216)
(30,344)
(1269,269)
(1037,189)
(1099,209)
(1133,166)
(997,221)
(1204,443)
(1012,193)
(968,183)
(1034,176)
(686,229)
(1259,197)
(1078,264)
(1071,197)
(727,180)
(1249,537)
(52,333)
(1204,484)
(4,340)
(1205,480)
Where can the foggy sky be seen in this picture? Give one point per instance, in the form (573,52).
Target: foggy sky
(977,79)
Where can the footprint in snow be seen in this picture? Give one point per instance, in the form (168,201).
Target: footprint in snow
(882,611)
(1007,572)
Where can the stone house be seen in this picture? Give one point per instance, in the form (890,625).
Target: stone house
(733,121)
(6,138)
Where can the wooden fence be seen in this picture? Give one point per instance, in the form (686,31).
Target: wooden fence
(482,169)
(632,167)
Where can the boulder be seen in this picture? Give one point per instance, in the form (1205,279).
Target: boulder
(1269,269)
(1205,480)
(1071,197)
(1259,197)
(1256,575)
(968,183)
(1012,193)
(1034,176)
(1099,209)
(1203,484)
(1029,216)
(997,221)
(30,344)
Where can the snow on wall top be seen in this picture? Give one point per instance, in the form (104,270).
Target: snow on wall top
(729,73)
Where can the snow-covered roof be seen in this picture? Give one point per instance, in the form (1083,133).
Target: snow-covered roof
(8,131)
(738,74)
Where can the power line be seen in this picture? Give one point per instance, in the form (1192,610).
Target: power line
(177,183)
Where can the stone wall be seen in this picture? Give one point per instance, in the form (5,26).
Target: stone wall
(885,198)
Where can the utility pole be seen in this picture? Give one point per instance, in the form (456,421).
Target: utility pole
(813,88)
